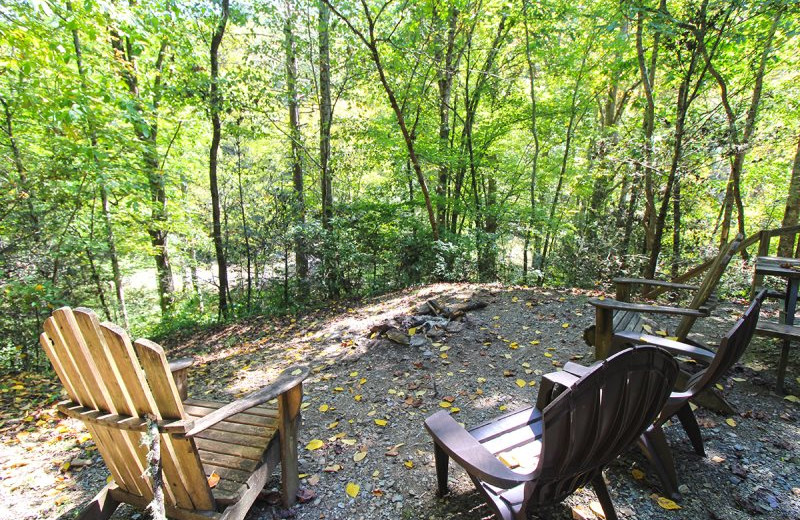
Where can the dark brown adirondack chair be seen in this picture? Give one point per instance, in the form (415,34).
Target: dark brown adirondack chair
(731,348)
(119,390)
(617,315)
(539,455)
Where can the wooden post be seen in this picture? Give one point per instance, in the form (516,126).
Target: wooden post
(764,237)
(624,292)
(602,333)
(442,460)
(288,419)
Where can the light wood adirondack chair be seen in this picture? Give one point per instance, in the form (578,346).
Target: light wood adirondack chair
(617,315)
(118,389)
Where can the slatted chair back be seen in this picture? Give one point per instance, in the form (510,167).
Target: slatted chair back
(730,349)
(597,418)
(709,284)
(123,383)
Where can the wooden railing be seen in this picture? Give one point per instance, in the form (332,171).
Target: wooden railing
(763,238)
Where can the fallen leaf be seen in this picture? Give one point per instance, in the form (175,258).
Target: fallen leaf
(792,398)
(637,474)
(314,444)
(297,372)
(324,408)
(381,422)
(448,398)
(332,469)
(313,480)
(597,509)
(730,422)
(667,504)
(213,479)
(348,442)
(306,495)
(412,331)
(521,383)
(565,325)
(352,489)
(357,397)
(333,425)
(359,456)
(445,404)
(409,464)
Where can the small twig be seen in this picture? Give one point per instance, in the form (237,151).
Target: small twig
(152,440)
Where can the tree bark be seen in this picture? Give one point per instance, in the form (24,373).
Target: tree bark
(325,120)
(300,255)
(446,59)
(216,135)
(790,214)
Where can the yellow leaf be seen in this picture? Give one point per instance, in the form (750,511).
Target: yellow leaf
(352,489)
(443,356)
(297,372)
(661,332)
(637,474)
(648,329)
(381,422)
(18,387)
(547,354)
(792,398)
(358,457)
(315,444)
(324,408)
(495,317)
(535,342)
(730,422)
(362,380)
(445,404)
(357,397)
(513,345)
(502,407)
(333,425)
(412,331)
(213,479)
(719,387)
(521,383)
(353,374)
(455,409)
(667,504)
(65,467)
(531,383)
(332,469)
(408,464)
(565,325)
(481,379)
(349,442)
(444,349)
(338,389)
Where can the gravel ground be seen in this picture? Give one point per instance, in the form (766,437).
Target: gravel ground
(368,396)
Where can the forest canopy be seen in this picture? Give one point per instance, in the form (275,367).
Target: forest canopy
(171,163)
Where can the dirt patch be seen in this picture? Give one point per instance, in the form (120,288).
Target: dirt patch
(369,395)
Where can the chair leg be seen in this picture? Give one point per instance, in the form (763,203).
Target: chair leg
(603,496)
(101,507)
(442,461)
(689,423)
(655,448)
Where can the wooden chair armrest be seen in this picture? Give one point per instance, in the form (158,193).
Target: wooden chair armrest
(610,303)
(655,283)
(576,369)
(180,372)
(676,348)
(470,454)
(287,380)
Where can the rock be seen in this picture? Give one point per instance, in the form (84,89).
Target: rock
(683,489)
(398,337)
(418,340)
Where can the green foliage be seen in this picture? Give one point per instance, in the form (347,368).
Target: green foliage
(563,179)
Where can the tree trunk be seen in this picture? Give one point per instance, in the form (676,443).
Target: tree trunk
(147,133)
(300,255)
(216,107)
(535,136)
(790,214)
(245,229)
(445,58)
(370,40)
(739,144)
